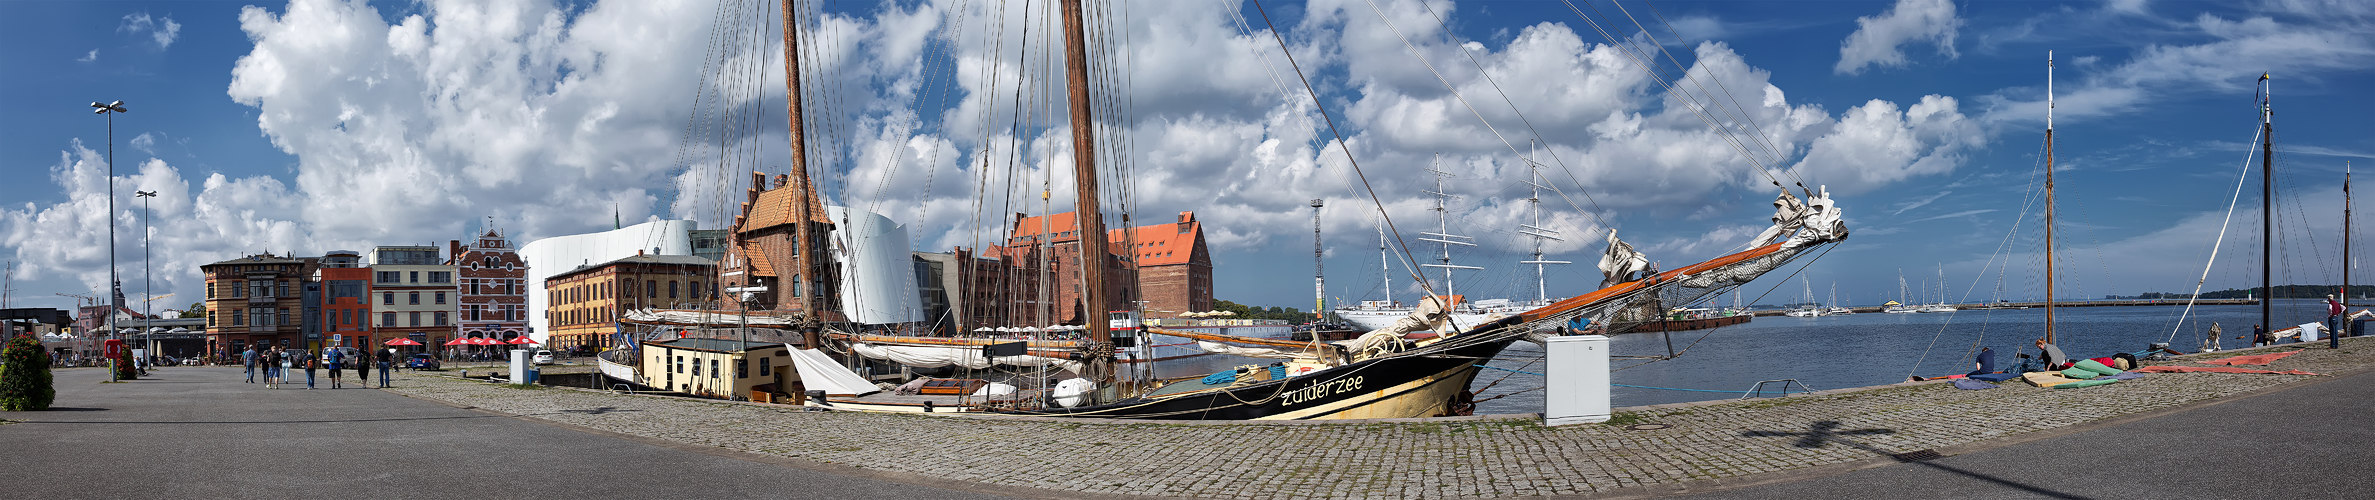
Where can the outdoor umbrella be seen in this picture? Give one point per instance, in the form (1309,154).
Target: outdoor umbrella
(402,341)
(484,341)
(522,340)
(458,342)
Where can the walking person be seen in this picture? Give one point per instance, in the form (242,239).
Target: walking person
(330,359)
(386,357)
(249,357)
(287,360)
(362,361)
(311,363)
(268,359)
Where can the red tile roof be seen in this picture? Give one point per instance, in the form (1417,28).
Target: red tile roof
(1153,244)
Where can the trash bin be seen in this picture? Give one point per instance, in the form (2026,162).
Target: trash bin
(531,378)
(2358,327)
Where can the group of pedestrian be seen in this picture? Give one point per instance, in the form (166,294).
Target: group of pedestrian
(276,361)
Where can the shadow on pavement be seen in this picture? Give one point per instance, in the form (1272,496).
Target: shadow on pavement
(1824,432)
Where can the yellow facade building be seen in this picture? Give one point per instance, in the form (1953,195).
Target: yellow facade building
(718,368)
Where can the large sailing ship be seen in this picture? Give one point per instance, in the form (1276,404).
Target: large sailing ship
(1419,365)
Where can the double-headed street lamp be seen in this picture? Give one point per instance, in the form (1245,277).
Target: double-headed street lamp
(115,287)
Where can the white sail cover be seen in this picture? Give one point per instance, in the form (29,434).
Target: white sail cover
(1620,262)
(939,356)
(1250,352)
(708,318)
(820,373)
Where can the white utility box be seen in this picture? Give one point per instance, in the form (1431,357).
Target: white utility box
(1576,380)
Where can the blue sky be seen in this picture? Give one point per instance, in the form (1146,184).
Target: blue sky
(316,125)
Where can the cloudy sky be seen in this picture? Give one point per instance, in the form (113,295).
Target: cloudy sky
(315,125)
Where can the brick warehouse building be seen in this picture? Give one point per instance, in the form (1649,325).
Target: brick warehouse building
(1174,268)
(255,300)
(494,289)
(588,301)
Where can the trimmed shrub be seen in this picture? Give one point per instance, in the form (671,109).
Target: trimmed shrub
(124,370)
(25,382)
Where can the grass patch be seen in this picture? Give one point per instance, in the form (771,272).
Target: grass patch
(1622,418)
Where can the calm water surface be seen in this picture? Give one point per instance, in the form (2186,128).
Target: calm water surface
(1870,349)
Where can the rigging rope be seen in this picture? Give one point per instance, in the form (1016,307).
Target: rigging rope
(2232,201)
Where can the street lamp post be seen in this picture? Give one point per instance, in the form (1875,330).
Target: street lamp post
(147,297)
(115,292)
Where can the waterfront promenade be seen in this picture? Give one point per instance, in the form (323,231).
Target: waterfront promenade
(1799,445)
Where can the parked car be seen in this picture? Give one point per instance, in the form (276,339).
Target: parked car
(422,362)
(543,357)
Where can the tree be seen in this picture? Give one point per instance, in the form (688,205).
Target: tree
(196,310)
(25,380)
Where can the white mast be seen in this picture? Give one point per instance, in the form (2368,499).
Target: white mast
(1385,264)
(1536,230)
(1442,232)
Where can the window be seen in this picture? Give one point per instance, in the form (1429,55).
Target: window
(680,364)
(441,276)
(414,319)
(236,319)
(472,312)
(387,319)
(741,368)
(210,290)
(713,371)
(236,290)
(696,368)
(440,297)
(631,289)
(415,297)
(387,276)
(764,369)
(416,276)
(672,289)
(284,318)
(440,318)
(388,298)
(490,261)
(651,288)
(284,289)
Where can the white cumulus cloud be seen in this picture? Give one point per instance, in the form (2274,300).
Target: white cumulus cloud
(162,30)
(1880,40)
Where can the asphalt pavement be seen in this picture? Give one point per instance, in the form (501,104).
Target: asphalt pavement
(200,432)
(2303,441)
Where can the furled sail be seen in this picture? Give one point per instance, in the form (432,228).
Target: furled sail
(1621,262)
(965,356)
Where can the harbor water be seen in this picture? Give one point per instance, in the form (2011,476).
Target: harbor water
(1834,352)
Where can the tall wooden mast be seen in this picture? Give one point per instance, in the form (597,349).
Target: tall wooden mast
(2267,207)
(1084,172)
(2048,197)
(803,280)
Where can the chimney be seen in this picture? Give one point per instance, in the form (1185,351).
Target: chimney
(780,180)
(1186,221)
(455,249)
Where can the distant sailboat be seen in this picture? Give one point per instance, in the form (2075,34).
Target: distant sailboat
(1940,305)
(1901,305)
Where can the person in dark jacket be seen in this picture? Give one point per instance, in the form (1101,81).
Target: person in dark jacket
(386,357)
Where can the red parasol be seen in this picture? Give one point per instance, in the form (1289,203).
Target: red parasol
(522,340)
(402,341)
(458,342)
(484,341)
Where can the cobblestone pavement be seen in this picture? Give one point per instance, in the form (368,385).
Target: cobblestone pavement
(1497,456)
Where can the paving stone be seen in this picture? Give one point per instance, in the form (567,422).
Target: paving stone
(1488,457)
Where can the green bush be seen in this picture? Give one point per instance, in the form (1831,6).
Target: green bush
(124,369)
(25,381)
